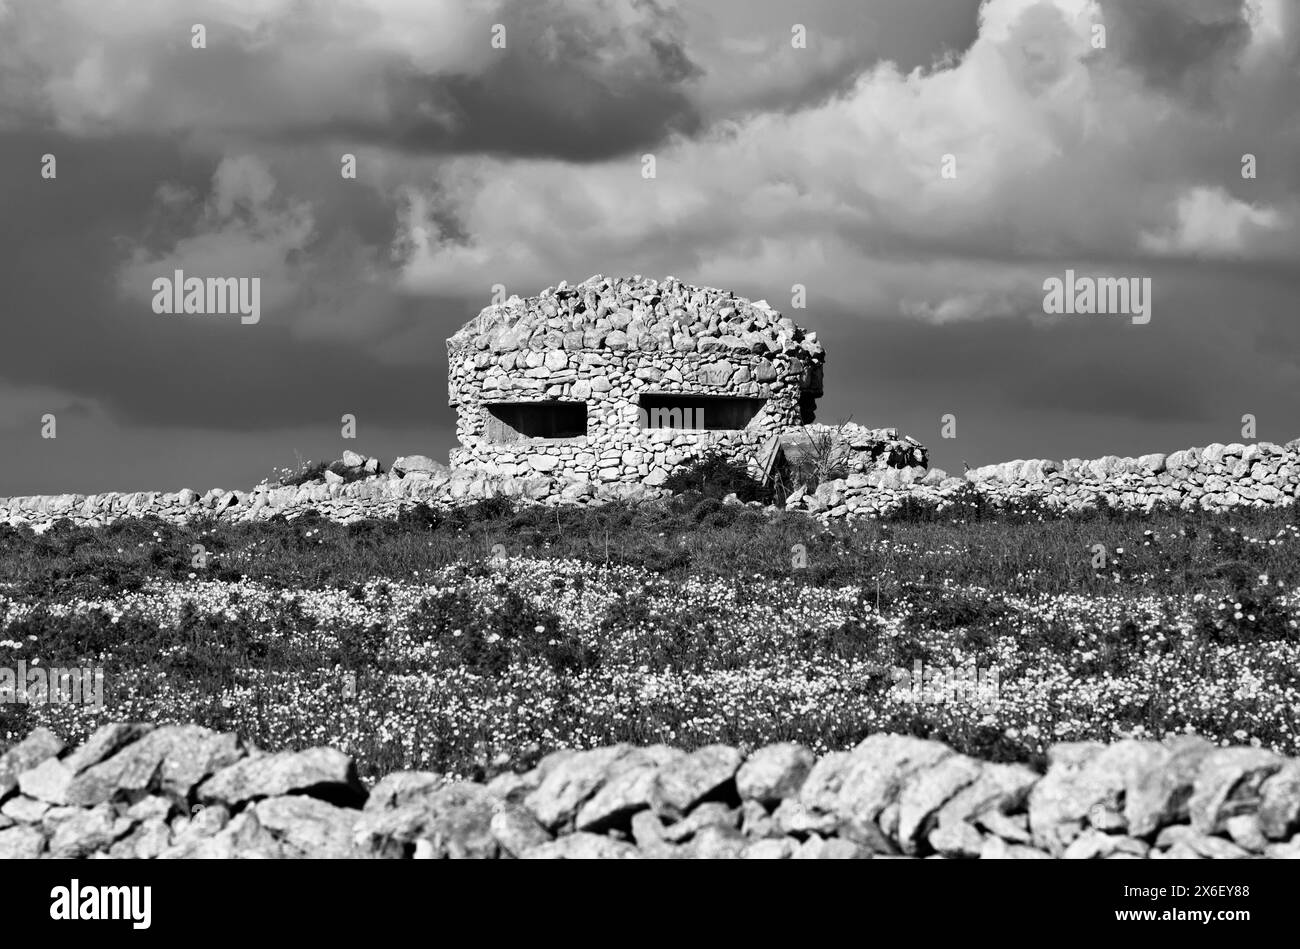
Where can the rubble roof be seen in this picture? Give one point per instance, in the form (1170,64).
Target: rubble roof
(635,313)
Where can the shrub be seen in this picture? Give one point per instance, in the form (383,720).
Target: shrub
(825,458)
(713,475)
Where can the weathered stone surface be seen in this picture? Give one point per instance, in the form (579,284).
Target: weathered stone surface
(417,464)
(1245,831)
(319,772)
(892,796)
(925,792)
(516,830)
(795,817)
(402,787)
(683,783)
(1279,809)
(999,789)
(309,826)
(148,840)
(47,782)
(1085,786)
(716,842)
(243,837)
(1160,790)
(708,814)
(456,820)
(21,843)
(995,848)
(1228,783)
(631,787)
(1013,829)
(1094,845)
(832,848)
(1187,842)
(956,838)
(171,760)
(202,822)
(27,754)
(85,831)
(103,743)
(24,810)
(774,773)
(569,781)
(774,848)
(582,846)
(879,767)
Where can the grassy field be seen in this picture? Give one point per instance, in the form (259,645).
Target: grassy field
(476,640)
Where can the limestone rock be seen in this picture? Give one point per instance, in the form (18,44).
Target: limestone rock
(47,782)
(104,742)
(582,846)
(455,819)
(40,744)
(308,826)
(318,772)
(1228,783)
(569,781)
(774,772)
(170,760)
(683,783)
(516,830)
(1279,809)
(21,843)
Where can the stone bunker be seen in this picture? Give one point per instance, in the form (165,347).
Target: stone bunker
(624,379)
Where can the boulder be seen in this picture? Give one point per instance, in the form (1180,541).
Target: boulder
(318,772)
(40,744)
(705,772)
(170,760)
(774,773)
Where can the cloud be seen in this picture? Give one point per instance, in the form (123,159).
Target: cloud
(1212,222)
(750,64)
(242,229)
(1184,46)
(574,79)
(1062,154)
(332,286)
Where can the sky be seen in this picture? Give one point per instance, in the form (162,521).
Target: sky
(920,167)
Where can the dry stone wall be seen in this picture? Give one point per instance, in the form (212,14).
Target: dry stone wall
(178,791)
(1215,478)
(606,345)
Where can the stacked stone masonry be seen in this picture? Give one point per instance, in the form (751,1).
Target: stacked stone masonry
(1215,478)
(183,791)
(1218,477)
(655,373)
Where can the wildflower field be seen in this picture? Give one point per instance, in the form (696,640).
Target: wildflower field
(477,640)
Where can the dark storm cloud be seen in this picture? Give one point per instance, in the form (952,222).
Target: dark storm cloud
(1177,44)
(520,110)
(69,329)
(558,78)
